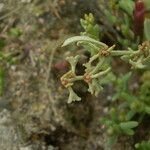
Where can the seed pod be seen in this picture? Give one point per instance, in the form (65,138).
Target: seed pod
(139,14)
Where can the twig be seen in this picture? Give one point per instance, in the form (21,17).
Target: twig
(10,13)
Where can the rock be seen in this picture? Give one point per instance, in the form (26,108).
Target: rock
(8,134)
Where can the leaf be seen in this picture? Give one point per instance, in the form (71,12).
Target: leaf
(129,132)
(93,31)
(128,125)
(144,145)
(92,48)
(109,78)
(114,114)
(147,61)
(127,6)
(138,64)
(147,110)
(73,62)
(82,38)
(106,122)
(73,96)
(115,96)
(130,115)
(111,18)
(94,87)
(147,29)
(126,96)
(111,141)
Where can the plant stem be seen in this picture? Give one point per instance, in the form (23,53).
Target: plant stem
(98,66)
(122,52)
(77,78)
(101,73)
(93,58)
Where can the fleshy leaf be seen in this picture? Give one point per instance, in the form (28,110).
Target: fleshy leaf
(111,141)
(127,5)
(73,62)
(73,96)
(82,38)
(94,87)
(128,125)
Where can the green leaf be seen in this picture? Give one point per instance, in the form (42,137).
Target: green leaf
(130,115)
(126,96)
(144,145)
(111,18)
(73,62)
(147,110)
(106,122)
(147,62)
(111,141)
(127,6)
(128,125)
(91,29)
(73,96)
(147,29)
(114,114)
(129,132)
(109,78)
(92,48)
(115,96)
(94,87)
(82,38)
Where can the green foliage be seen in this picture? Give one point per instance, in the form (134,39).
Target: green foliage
(140,103)
(144,145)
(120,120)
(101,54)
(121,85)
(117,125)
(130,106)
(118,16)
(91,29)
(98,71)
(127,6)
